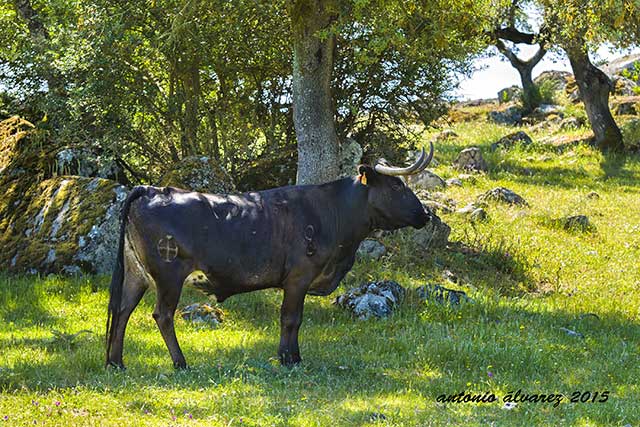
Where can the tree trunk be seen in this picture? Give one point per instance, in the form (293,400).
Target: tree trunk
(313,114)
(595,87)
(530,93)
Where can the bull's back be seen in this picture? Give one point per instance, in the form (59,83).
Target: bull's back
(235,240)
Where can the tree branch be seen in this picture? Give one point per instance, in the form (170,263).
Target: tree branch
(515,61)
(514,35)
(537,57)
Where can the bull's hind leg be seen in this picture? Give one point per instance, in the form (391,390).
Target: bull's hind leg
(169,289)
(136,282)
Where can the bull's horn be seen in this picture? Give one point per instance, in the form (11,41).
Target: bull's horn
(420,164)
(427,161)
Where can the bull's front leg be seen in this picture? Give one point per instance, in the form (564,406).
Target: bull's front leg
(290,320)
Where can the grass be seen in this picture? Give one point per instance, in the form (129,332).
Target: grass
(528,277)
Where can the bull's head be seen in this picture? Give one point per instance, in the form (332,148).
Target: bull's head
(391,203)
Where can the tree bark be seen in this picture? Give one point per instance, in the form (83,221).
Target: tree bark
(530,94)
(313,114)
(595,86)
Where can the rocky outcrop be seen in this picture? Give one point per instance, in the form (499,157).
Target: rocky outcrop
(371,249)
(559,79)
(511,115)
(571,123)
(199,173)
(576,223)
(426,180)
(470,159)
(52,223)
(508,94)
(624,86)
(65,224)
(503,195)
(373,299)
(508,141)
(627,63)
(629,105)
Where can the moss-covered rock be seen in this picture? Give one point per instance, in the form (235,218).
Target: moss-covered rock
(51,222)
(26,150)
(202,174)
(62,224)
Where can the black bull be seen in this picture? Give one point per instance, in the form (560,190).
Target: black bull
(302,239)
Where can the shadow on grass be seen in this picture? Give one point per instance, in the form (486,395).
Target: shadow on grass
(423,348)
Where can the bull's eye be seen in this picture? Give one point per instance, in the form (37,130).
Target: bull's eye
(397,186)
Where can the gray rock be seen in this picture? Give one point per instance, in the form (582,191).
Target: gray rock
(622,64)
(442,197)
(203,313)
(560,79)
(51,256)
(372,249)
(503,195)
(199,173)
(629,106)
(437,294)
(454,181)
(571,123)
(593,195)
(373,299)
(350,157)
(467,209)
(87,163)
(445,135)
(479,215)
(426,179)
(577,223)
(434,235)
(71,270)
(470,159)
(624,86)
(511,140)
(548,109)
(508,116)
(101,243)
(571,332)
(508,94)
(436,206)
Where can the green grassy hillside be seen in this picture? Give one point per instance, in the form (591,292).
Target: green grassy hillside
(528,275)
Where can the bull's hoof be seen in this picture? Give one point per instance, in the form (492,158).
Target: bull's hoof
(118,366)
(290,360)
(180,366)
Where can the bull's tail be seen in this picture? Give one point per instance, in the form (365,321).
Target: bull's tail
(117,278)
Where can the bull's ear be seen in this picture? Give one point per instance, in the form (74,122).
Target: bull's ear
(366,175)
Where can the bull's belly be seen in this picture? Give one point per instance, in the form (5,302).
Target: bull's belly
(222,285)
